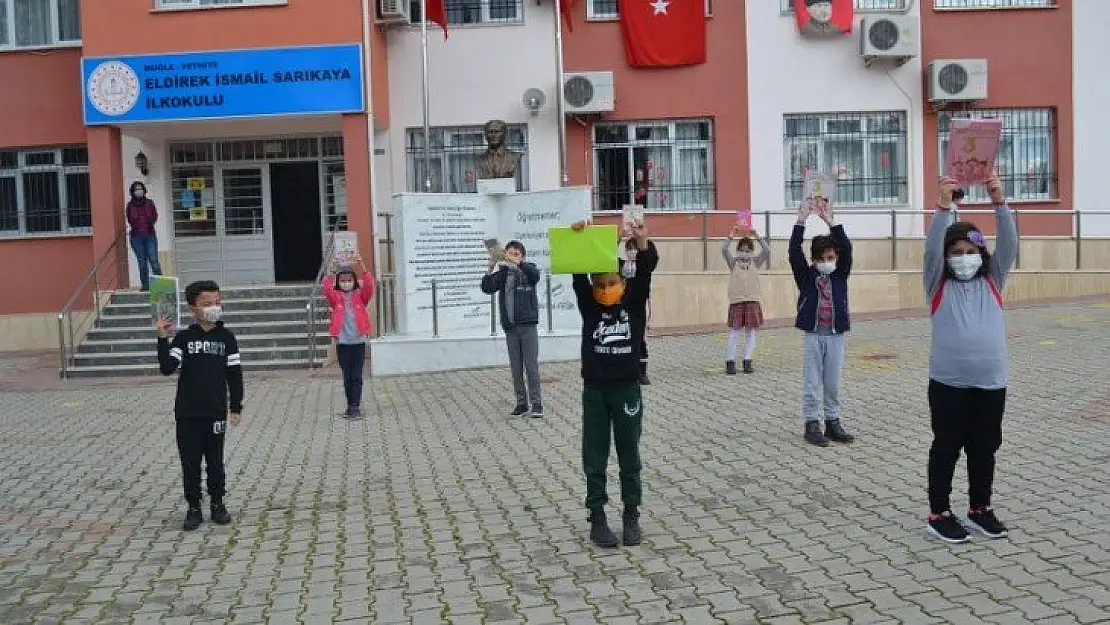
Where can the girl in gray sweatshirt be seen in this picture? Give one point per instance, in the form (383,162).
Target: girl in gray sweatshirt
(968,359)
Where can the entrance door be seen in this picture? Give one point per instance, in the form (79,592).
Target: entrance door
(297,235)
(247,251)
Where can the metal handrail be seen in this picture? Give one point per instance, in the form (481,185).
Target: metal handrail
(314,293)
(66,314)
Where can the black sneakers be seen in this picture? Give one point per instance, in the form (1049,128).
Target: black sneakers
(537,411)
(986,523)
(630,528)
(946,527)
(748,366)
(519,411)
(600,533)
(836,432)
(730,367)
(813,434)
(193,518)
(220,515)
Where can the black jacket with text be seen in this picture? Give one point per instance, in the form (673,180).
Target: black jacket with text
(211,372)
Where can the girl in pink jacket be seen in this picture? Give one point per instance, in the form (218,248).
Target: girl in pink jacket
(348,293)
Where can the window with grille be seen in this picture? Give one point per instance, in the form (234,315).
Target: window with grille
(461,12)
(451,162)
(993,4)
(659,165)
(866,152)
(39,23)
(44,191)
(862,6)
(1025,161)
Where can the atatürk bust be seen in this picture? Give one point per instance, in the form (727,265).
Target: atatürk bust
(497,161)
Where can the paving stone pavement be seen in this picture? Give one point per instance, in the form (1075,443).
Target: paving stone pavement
(440,508)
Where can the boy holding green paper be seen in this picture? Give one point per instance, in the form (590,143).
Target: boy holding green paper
(611,401)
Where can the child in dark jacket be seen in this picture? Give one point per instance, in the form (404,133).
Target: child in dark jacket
(823,316)
(210,384)
(514,281)
(611,400)
(640,260)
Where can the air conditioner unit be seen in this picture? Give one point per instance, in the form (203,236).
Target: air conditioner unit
(588,92)
(394,12)
(888,37)
(957,80)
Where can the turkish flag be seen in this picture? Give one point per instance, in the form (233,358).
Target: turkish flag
(565,6)
(437,13)
(663,33)
(824,18)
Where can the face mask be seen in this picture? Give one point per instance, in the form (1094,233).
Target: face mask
(346,285)
(628,269)
(965,267)
(826,267)
(609,295)
(139,194)
(211,314)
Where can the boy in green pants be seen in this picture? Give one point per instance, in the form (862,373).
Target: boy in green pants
(611,399)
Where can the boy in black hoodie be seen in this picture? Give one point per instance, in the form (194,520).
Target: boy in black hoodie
(211,374)
(641,259)
(611,401)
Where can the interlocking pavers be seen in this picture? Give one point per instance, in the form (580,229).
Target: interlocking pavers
(440,508)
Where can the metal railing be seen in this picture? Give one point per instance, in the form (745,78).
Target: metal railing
(314,294)
(69,333)
(493,308)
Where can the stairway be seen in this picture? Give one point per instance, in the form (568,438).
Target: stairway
(269,322)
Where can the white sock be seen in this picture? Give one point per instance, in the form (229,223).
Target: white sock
(749,345)
(733,342)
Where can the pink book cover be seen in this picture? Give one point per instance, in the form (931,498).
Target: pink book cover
(972,148)
(744,218)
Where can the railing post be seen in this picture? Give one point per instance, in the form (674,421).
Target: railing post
(311,330)
(72,340)
(62,346)
(1017,229)
(705,241)
(435,308)
(96,293)
(893,239)
(767,226)
(550,316)
(1078,239)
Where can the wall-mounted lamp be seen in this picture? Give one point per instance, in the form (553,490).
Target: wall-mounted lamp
(533,100)
(142,163)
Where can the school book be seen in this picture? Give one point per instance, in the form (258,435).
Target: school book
(972,148)
(165,299)
(593,250)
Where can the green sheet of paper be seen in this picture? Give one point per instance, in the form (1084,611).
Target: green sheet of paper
(165,299)
(593,250)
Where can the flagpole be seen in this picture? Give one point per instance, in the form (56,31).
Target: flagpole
(560,108)
(427,106)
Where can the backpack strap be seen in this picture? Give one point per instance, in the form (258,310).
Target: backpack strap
(938,296)
(995,291)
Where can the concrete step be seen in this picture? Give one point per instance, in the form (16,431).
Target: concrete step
(137,370)
(246,341)
(238,305)
(233,318)
(300,291)
(149,357)
(145,332)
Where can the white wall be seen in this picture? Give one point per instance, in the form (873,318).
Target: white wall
(479,73)
(788,73)
(1090,49)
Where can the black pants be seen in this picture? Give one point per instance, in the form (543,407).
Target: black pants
(197,440)
(612,413)
(351,360)
(968,419)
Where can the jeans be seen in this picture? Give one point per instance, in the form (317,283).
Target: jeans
(524,360)
(145,247)
(969,419)
(351,361)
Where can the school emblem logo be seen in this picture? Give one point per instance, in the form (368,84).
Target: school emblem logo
(113,88)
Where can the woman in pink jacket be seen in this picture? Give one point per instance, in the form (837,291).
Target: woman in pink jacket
(349,292)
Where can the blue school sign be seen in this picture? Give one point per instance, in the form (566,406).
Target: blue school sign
(313,80)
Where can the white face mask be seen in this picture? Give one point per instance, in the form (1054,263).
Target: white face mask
(139,194)
(965,267)
(826,267)
(211,314)
(346,285)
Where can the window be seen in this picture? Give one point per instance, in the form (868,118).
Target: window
(866,152)
(44,191)
(453,157)
(183,4)
(992,4)
(1025,161)
(863,6)
(660,165)
(39,23)
(610,9)
(477,11)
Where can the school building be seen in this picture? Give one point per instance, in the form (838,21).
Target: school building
(259,126)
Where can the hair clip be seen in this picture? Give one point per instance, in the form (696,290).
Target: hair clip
(976,237)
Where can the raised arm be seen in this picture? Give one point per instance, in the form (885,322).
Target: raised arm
(584,293)
(647,259)
(843,248)
(366,287)
(493,281)
(1006,242)
(531,273)
(328,290)
(933,265)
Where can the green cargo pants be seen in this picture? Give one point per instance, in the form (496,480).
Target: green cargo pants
(621,410)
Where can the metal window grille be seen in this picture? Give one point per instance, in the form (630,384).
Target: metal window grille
(659,165)
(461,12)
(44,191)
(1026,163)
(862,6)
(252,150)
(992,4)
(865,151)
(453,157)
(39,23)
